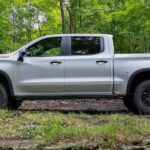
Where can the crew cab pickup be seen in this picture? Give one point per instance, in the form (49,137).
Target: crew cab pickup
(75,65)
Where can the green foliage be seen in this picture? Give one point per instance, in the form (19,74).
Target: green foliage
(128,20)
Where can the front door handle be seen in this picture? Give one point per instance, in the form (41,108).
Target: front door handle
(101,61)
(55,62)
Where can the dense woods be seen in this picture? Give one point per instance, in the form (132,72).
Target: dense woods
(21,21)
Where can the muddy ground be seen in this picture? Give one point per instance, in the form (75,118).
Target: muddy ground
(75,105)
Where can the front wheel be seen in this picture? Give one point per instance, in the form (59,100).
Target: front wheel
(3,97)
(141,98)
(14,104)
(6,101)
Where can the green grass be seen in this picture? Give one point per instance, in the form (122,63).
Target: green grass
(107,130)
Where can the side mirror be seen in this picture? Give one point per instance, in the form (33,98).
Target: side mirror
(21,55)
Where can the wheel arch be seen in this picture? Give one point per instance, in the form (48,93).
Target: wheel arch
(136,78)
(5,79)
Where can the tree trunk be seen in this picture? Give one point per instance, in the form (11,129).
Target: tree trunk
(14,26)
(71,22)
(71,19)
(29,34)
(39,28)
(62,15)
(80,5)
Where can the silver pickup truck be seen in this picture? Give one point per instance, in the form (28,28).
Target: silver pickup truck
(75,65)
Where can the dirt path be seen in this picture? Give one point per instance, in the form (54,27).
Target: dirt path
(75,105)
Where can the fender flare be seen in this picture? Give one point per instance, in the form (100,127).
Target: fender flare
(133,76)
(10,86)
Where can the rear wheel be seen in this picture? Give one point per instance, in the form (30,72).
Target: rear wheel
(141,98)
(128,102)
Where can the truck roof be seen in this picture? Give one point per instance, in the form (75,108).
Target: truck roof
(55,35)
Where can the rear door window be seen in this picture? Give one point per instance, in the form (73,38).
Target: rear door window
(85,45)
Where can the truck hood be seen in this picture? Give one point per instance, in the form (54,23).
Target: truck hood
(6,56)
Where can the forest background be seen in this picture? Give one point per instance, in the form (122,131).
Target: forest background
(22,21)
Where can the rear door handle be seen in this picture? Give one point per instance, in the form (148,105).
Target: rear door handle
(101,61)
(55,62)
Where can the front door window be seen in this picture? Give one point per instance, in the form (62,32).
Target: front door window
(45,48)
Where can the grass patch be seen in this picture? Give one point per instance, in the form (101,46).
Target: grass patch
(62,129)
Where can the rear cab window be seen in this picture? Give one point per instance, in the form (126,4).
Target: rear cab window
(86,45)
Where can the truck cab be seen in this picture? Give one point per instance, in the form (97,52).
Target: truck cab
(64,65)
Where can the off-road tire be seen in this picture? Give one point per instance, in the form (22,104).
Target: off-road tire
(141,98)
(128,102)
(14,104)
(7,102)
(3,97)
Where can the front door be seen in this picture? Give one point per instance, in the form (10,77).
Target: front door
(42,71)
(88,67)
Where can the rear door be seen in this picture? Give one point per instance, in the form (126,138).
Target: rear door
(87,66)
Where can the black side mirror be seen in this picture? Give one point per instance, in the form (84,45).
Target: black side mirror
(21,55)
